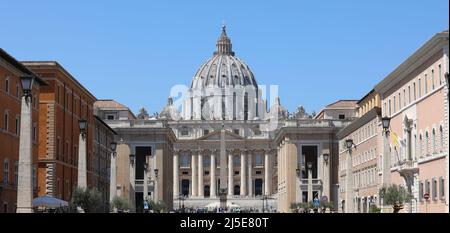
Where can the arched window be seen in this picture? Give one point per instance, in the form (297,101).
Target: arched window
(427,140)
(433,140)
(420,146)
(6,172)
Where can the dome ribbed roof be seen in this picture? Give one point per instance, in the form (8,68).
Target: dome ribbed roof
(223,68)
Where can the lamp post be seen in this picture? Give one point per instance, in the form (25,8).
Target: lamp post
(25,184)
(349,189)
(145,183)
(113,179)
(156,184)
(310,188)
(82,180)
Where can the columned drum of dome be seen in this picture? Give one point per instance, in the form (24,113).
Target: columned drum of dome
(224,88)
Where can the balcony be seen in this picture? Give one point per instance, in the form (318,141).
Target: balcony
(139,185)
(316,184)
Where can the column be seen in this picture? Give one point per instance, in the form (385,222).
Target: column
(200,174)
(349,187)
(243,181)
(113,181)
(212,173)
(25,184)
(194,177)
(267,175)
(250,174)
(82,180)
(145,187)
(310,189)
(230,174)
(176,182)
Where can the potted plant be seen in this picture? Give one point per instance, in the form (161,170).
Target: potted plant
(396,196)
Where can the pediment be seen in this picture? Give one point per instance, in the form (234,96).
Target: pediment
(215,136)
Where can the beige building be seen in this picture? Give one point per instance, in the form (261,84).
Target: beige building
(415,97)
(359,168)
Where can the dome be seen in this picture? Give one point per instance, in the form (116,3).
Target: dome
(277,110)
(170,112)
(223,69)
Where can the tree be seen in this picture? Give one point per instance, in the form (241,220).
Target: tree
(88,199)
(396,196)
(157,207)
(121,204)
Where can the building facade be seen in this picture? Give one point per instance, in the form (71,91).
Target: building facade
(223,119)
(61,105)
(101,160)
(10,110)
(359,167)
(415,97)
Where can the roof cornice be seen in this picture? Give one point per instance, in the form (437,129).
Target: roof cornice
(431,47)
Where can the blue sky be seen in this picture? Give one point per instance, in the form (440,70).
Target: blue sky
(135,51)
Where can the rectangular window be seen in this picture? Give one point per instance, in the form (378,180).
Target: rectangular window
(414,90)
(17,125)
(34,133)
(395,103)
(441,187)
(205,132)
(7,84)
(236,160)
(432,79)
(426,84)
(404,97)
(110,117)
(258,160)
(420,190)
(341,116)
(434,188)
(427,187)
(6,121)
(409,94)
(420,88)
(236,131)
(17,90)
(399,102)
(16,172)
(440,75)
(5,171)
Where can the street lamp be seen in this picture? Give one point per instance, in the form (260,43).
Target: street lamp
(309,164)
(349,143)
(27,85)
(113,146)
(83,127)
(25,184)
(385,121)
(132,157)
(325,158)
(156,172)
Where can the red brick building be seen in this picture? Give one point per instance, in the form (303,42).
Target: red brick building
(61,105)
(10,105)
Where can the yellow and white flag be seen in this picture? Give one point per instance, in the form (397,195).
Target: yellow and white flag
(395,140)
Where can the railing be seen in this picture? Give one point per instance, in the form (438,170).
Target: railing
(316,123)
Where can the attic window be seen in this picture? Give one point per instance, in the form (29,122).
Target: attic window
(205,132)
(236,131)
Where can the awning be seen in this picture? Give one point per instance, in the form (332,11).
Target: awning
(49,202)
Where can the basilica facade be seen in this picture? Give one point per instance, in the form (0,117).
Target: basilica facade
(224,140)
